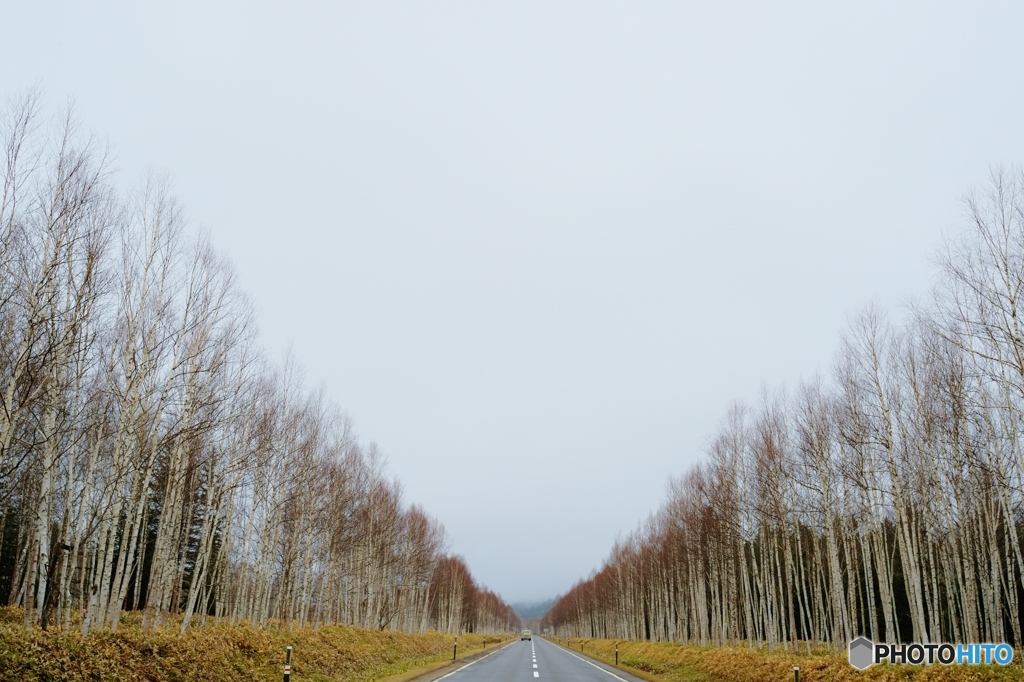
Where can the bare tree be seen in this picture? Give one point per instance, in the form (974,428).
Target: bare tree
(151,458)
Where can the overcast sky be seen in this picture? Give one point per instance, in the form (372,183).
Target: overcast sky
(537,249)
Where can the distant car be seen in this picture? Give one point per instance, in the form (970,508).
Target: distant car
(525,634)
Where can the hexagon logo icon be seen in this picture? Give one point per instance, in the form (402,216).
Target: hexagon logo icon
(862,652)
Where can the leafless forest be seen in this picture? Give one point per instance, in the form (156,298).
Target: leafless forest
(151,457)
(884,501)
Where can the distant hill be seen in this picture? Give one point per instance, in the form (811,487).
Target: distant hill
(531,610)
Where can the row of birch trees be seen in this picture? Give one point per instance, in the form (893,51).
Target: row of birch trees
(151,458)
(883,501)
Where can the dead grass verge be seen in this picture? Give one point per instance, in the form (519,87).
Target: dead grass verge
(667,662)
(219,653)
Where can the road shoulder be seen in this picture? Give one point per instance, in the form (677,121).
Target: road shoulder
(436,671)
(622,671)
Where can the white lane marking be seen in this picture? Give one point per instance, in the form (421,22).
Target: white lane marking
(593,664)
(534,665)
(536,674)
(469,664)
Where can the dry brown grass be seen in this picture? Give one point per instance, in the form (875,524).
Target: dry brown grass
(218,653)
(665,662)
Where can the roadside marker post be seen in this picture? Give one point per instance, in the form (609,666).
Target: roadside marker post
(455,650)
(796,673)
(616,653)
(287,664)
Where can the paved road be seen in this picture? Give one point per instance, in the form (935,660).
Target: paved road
(538,660)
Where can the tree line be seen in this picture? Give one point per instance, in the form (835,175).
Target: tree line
(151,457)
(883,501)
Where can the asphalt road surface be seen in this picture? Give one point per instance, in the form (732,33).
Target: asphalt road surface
(536,660)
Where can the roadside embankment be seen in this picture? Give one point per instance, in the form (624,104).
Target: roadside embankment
(667,662)
(221,653)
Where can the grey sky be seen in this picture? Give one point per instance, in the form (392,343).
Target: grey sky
(536,249)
